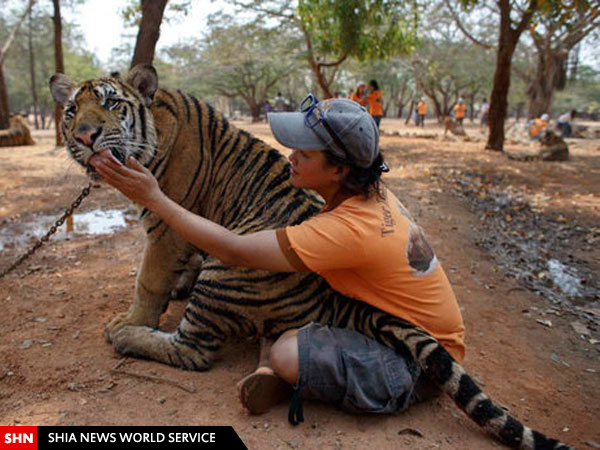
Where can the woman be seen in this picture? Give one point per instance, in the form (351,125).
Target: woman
(364,243)
(375,100)
(358,95)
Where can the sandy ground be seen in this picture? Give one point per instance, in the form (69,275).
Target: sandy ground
(56,368)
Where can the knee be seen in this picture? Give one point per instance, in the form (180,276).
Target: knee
(284,356)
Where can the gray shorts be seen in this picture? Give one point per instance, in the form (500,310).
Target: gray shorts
(344,367)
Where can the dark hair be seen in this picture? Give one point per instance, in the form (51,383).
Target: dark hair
(365,181)
(374,84)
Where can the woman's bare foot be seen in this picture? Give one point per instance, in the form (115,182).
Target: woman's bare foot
(262,389)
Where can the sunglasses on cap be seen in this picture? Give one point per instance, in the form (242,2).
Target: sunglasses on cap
(314,115)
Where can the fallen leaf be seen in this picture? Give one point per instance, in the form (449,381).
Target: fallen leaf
(411,431)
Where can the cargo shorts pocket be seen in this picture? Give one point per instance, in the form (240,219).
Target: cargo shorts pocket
(376,382)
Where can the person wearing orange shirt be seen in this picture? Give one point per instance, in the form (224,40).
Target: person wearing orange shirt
(460,111)
(375,101)
(538,125)
(421,111)
(364,243)
(358,95)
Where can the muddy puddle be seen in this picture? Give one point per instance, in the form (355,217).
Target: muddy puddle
(25,231)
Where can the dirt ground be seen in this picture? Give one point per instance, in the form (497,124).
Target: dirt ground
(56,368)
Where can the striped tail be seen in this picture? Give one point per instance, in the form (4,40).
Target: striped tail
(450,376)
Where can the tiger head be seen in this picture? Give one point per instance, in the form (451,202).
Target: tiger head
(108,113)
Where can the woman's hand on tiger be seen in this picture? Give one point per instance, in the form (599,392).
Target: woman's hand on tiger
(133,180)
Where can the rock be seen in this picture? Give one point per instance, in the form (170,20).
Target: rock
(592,444)
(27,343)
(580,328)
(546,323)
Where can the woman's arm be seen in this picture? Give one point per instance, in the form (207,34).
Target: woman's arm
(258,250)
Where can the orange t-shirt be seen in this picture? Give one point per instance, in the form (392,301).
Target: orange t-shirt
(372,250)
(422,108)
(460,109)
(360,100)
(375,100)
(536,127)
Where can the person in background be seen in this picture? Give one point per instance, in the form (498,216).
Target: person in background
(460,111)
(279,103)
(268,109)
(337,94)
(421,112)
(537,125)
(358,95)
(375,101)
(484,113)
(564,123)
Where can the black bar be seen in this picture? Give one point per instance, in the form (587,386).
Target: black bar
(109,437)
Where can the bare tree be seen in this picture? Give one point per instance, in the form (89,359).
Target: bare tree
(553,44)
(4,106)
(507,41)
(514,19)
(149,32)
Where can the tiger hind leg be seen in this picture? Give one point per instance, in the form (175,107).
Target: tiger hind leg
(168,348)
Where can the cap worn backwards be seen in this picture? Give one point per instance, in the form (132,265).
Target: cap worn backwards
(339,125)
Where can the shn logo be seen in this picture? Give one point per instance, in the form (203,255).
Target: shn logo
(18,438)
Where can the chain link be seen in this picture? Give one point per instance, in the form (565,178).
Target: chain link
(53,229)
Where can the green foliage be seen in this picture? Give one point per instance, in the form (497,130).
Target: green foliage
(582,94)
(363,29)
(132,11)
(80,64)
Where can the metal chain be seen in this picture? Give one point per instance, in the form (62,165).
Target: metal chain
(53,229)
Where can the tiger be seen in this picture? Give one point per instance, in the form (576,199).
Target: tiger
(17,134)
(225,174)
(453,126)
(552,148)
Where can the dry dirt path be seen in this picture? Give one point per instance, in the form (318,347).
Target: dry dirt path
(55,368)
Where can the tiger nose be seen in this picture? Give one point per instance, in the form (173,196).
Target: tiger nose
(87,135)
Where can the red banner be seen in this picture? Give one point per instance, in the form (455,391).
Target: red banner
(18,438)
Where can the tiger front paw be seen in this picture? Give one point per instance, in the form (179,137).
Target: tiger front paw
(133,340)
(131,317)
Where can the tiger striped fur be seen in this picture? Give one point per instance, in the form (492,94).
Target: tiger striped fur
(17,134)
(226,175)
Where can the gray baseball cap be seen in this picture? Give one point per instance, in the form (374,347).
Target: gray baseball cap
(339,124)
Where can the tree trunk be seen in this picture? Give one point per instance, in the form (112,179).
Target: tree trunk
(149,32)
(548,77)
(498,99)
(32,75)
(320,78)
(472,106)
(410,112)
(507,41)
(400,106)
(574,63)
(255,109)
(520,107)
(4,108)
(59,66)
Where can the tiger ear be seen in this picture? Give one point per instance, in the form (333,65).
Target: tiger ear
(61,87)
(144,78)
